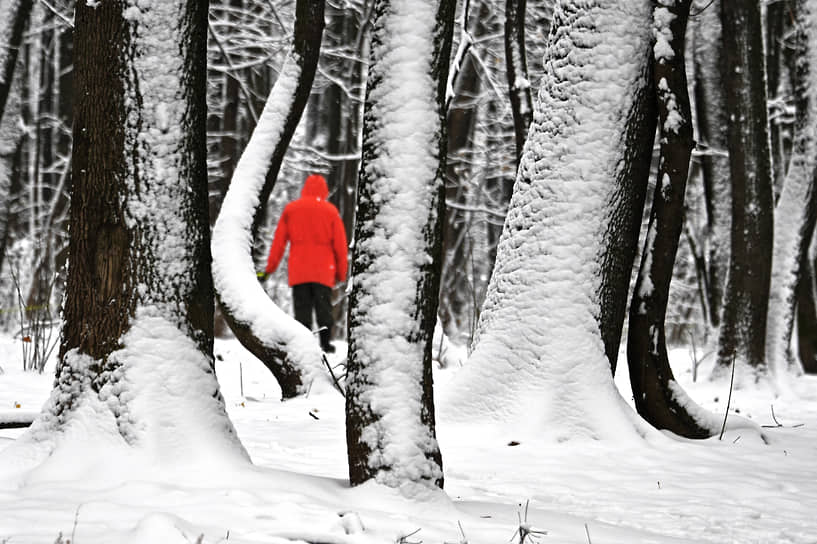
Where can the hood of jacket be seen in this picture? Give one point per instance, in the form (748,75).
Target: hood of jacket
(315,187)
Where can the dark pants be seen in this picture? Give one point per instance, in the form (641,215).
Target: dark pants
(307,297)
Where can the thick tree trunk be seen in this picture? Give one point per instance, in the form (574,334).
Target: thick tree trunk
(390,420)
(285,347)
(658,397)
(516,64)
(138,310)
(551,321)
(743,329)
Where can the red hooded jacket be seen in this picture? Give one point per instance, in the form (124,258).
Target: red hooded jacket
(318,240)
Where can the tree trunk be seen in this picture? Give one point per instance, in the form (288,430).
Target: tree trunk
(711,124)
(743,330)
(807,319)
(285,347)
(658,397)
(796,211)
(15,19)
(139,287)
(390,436)
(517,70)
(550,325)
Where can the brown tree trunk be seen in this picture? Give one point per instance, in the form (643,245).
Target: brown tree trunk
(125,209)
(658,398)
(743,330)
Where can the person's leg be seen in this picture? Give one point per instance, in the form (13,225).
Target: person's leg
(322,297)
(302,304)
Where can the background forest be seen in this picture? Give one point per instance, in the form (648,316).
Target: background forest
(535,195)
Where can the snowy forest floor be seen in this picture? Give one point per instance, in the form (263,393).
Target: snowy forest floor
(736,490)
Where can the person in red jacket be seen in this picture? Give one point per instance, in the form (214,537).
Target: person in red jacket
(317,255)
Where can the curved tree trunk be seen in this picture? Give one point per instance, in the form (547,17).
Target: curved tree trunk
(285,347)
(743,329)
(796,211)
(658,397)
(138,310)
(550,322)
(516,64)
(390,421)
(14,21)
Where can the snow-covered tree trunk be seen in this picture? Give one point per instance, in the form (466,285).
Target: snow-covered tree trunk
(286,347)
(14,16)
(712,125)
(541,361)
(743,328)
(390,421)
(517,71)
(658,397)
(11,134)
(136,363)
(796,211)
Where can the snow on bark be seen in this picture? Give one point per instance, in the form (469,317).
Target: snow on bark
(233,267)
(390,410)
(154,393)
(539,363)
(796,210)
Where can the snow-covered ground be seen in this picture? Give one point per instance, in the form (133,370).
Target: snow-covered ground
(661,490)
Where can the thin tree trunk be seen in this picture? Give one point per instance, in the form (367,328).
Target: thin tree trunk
(658,397)
(743,330)
(517,71)
(807,319)
(397,255)
(712,124)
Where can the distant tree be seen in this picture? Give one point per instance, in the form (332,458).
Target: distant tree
(743,329)
(658,397)
(516,63)
(807,318)
(713,249)
(139,289)
(287,348)
(551,322)
(796,211)
(14,15)
(390,420)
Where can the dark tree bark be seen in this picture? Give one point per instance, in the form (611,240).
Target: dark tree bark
(712,125)
(374,430)
(10,41)
(743,330)
(517,70)
(276,355)
(807,319)
(658,397)
(139,279)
